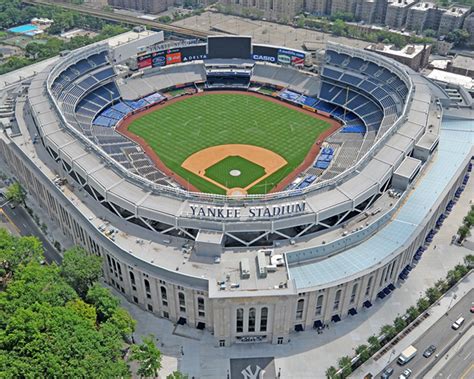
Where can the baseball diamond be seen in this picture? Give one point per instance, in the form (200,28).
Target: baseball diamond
(179,129)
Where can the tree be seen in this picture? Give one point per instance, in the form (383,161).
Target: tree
(399,324)
(389,331)
(469,261)
(81,269)
(47,331)
(177,375)
(124,322)
(463,232)
(422,304)
(345,364)
(433,294)
(413,313)
(105,304)
(339,27)
(430,33)
(331,373)
(374,344)
(148,356)
(16,251)
(16,194)
(363,351)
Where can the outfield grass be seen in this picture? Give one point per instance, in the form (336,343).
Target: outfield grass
(179,130)
(249,172)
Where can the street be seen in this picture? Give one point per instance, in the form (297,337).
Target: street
(27,227)
(441,335)
(460,365)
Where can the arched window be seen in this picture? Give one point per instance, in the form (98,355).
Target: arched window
(132,277)
(240,320)
(252,320)
(299,309)
(201,309)
(354,292)
(164,296)
(319,305)
(182,302)
(337,299)
(147,285)
(263,319)
(369,286)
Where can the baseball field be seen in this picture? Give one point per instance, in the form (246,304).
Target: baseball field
(224,142)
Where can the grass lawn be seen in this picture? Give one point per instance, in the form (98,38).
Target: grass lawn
(221,172)
(179,130)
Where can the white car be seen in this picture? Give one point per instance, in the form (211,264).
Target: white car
(406,374)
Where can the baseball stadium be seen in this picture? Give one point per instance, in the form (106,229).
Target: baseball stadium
(248,190)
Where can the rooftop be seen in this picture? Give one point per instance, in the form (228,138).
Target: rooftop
(409,51)
(449,77)
(457,11)
(401,3)
(463,62)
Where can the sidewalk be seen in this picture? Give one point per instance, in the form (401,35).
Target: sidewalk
(436,312)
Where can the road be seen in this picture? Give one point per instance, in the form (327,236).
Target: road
(127,19)
(461,363)
(27,227)
(441,335)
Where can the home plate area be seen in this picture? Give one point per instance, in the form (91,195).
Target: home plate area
(252,368)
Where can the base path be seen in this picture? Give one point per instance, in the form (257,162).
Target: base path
(123,125)
(203,159)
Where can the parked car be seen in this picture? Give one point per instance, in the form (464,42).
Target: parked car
(472,308)
(429,351)
(387,373)
(405,374)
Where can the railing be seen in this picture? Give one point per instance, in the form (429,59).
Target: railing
(215,198)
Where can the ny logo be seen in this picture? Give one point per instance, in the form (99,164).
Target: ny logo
(257,374)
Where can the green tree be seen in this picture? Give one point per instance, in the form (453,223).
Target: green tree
(15,251)
(80,269)
(148,356)
(47,331)
(363,351)
(463,232)
(430,33)
(422,304)
(105,304)
(345,364)
(374,344)
(177,375)
(413,313)
(16,194)
(124,322)
(469,261)
(399,324)
(433,294)
(331,373)
(389,331)
(339,27)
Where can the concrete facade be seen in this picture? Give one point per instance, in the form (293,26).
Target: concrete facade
(397,11)
(424,15)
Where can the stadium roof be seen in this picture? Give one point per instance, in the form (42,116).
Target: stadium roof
(456,142)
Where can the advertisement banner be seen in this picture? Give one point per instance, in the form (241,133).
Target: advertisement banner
(193,53)
(172,58)
(144,61)
(158,59)
(292,57)
(264,53)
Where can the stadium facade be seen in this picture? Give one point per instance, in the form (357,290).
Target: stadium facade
(257,268)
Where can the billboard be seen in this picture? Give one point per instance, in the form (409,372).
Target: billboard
(144,61)
(193,53)
(158,59)
(264,53)
(173,57)
(229,47)
(295,58)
